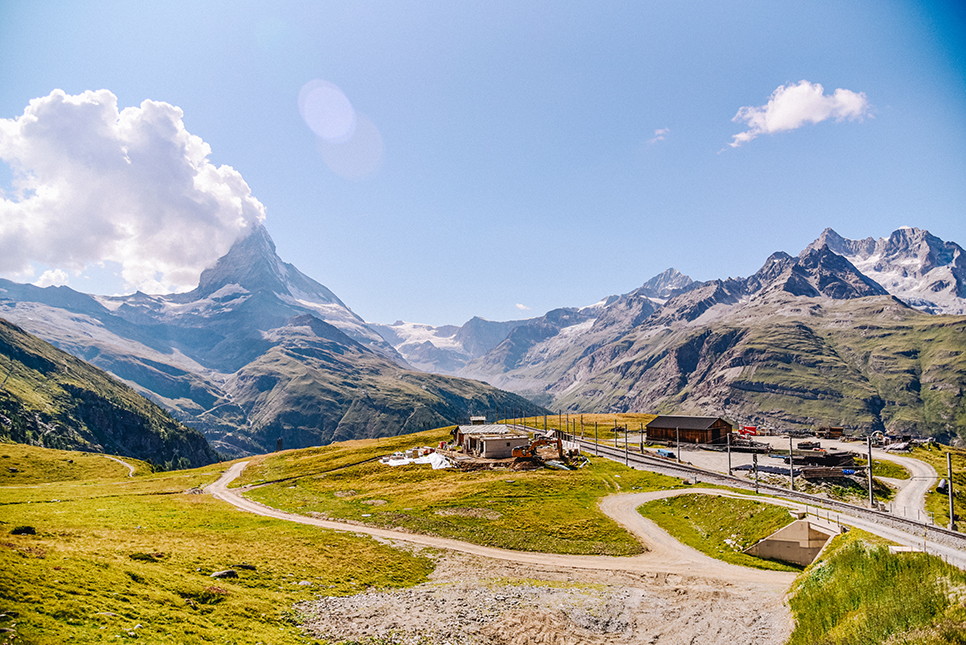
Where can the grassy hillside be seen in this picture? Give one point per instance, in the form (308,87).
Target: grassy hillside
(22,464)
(545,510)
(857,593)
(50,398)
(720,527)
(938,503)
(310,390)
(114,559)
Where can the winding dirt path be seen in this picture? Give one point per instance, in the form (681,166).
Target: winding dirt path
(910,500)
(130,468)
(665,555)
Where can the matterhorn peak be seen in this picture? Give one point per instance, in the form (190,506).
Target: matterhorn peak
(253,264)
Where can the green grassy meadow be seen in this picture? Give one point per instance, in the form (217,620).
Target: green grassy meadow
(721,527)
(113,558)
(118,559)
(938,503)
(545,510)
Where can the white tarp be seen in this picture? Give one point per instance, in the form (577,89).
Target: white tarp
(434,458)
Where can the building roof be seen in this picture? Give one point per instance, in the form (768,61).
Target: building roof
(684,423)
(492,429)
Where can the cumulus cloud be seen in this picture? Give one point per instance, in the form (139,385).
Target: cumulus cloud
(659,135)
(93,184)
(52,277)
(792,106)
(522,307)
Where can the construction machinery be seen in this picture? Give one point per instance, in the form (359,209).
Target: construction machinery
(531,450)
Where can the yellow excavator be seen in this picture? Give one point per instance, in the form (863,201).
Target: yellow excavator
(531,450)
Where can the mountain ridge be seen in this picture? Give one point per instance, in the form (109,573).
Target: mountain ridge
(52,399)
(230,357)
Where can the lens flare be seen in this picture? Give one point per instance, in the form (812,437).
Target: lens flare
(327,111)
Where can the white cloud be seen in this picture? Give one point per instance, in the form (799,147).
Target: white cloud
(52,277)
(94,184)
(792,106)
(659,135)
(522,307)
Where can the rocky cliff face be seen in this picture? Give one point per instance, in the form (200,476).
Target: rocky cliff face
(911,264)
(870,363)
(52,399)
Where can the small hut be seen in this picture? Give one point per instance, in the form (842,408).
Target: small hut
(689,429)
(494,441)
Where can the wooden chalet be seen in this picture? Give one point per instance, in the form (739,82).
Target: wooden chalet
(689,429)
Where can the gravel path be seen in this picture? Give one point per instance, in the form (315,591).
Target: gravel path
(130,468)
(669,595)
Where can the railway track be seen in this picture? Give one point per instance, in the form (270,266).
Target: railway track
(917,532)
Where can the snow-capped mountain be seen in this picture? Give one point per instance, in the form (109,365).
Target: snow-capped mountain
(256,352)
(911,264)
(445,349)
(249,277)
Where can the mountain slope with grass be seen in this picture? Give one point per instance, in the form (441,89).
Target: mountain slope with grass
(50,398)
(868,364)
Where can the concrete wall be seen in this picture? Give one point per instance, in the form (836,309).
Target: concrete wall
(800,542)
(502,447)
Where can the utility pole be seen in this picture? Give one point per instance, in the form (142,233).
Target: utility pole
(871,494)
(754,458)
(677,434)
(642,438)
(626,457)
(949,488)
(791,460)
(728,437)
(596,445)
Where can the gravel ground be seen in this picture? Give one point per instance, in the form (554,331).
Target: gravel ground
(472,600)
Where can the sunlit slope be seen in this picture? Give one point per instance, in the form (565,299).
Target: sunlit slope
(53,399)
(109,558)
(868,363)
(311,390)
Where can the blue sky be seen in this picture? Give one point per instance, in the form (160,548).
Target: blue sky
(541,154)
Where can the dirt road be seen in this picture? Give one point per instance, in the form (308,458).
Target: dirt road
(910,498)
(669,595)
(130,468)
(664,555)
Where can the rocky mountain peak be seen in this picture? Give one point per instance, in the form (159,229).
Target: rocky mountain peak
(664,284)
(911,264)
(841,245)
(253,264)
(817,272)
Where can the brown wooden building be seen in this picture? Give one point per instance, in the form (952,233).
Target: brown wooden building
(689,429)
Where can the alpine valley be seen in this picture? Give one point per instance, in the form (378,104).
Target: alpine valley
(256,353)
(867,334)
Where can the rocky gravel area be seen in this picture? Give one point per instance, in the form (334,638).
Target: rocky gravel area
(472,600)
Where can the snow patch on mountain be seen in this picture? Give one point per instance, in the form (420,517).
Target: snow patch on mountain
(911,264)
(414,334)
